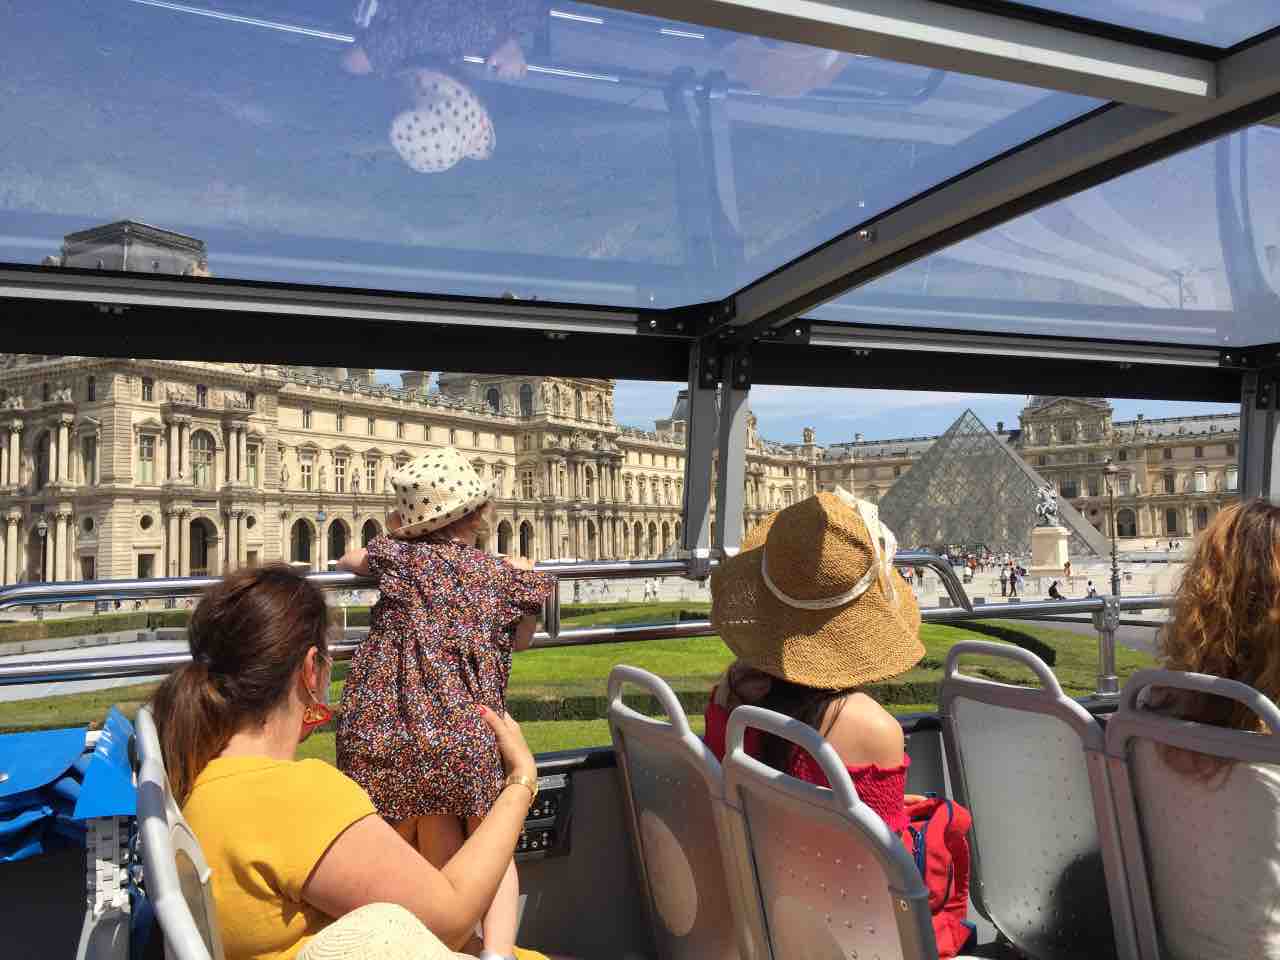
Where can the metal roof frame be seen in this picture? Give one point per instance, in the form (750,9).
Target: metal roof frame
(973,41)
(1098,147)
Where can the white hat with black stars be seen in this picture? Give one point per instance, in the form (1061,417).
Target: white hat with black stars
(435,490)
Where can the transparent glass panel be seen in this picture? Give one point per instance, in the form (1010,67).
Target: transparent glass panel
(1219,23)
(1186,251)
(554,151)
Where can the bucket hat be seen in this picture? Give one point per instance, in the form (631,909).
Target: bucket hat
(447,123)
(377,931)
(435,490)
(813,597)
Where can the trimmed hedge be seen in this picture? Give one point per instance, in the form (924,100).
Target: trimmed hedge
(91,626)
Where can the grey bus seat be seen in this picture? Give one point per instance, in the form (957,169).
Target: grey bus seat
(1029,763)
(177,876)
(674,797)
(832,879)
(1155,804)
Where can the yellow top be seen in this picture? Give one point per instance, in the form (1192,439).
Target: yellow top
(263,826)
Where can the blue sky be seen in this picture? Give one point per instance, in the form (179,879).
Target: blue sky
(837,415)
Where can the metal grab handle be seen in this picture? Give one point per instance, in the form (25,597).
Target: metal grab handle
(655,687)
(798,733)
(1242,693)
(1005,651)
(923,558)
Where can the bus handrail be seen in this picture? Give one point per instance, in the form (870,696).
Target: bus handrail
(149,665)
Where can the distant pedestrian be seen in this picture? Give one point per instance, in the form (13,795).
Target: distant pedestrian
(1091,591)
(1066,569)
(1054,592)
(1013,582)
(1004,581)
(919,576)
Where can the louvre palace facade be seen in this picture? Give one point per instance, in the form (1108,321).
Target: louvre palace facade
(115,468)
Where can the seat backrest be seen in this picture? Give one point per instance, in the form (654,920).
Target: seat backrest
(1028,762)
(176,873)
(675,798)
(831,878)
(1192,844)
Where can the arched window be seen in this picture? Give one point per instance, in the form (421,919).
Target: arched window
(1202,481)
(91,389)
(526,401)
(202,452)
(1171,522)
(1202,517)
(1126,523)
(1233,478)
(300,542)
(577,404)
(504,538)
(44,450)
(368,532)
(337,540)
(494,399)
(526,540)
(590,485)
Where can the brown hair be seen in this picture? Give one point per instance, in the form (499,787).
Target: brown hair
(809,705)
(249,636)
(1226,623)
(481,517)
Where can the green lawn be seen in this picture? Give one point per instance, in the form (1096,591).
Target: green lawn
(559,693)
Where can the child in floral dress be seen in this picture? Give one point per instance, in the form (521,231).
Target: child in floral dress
(440,643)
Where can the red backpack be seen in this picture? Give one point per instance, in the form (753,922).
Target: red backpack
(937,837)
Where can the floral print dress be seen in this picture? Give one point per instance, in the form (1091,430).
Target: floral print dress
(439,643)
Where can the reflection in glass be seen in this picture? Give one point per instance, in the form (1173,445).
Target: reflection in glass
(1186,251)
(562,151)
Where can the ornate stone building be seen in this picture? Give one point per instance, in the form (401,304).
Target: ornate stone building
(1172,474)
(123,468)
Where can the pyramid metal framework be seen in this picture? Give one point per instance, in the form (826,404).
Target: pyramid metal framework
(971,487)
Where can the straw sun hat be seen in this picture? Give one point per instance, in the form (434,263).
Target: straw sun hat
(435,490)
(448,123)
(377,931)
(813,597)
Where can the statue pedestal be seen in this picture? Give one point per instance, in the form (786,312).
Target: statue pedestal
(1048,551)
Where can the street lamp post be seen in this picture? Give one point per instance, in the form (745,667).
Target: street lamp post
(42,528)
(1111,471)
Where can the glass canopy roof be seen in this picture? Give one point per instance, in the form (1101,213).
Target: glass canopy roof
(559,151)
(1184,251)
(1219,23)
(639,162)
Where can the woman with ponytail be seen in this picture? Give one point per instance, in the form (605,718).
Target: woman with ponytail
(302,864)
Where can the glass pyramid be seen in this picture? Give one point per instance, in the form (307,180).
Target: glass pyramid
(971,487)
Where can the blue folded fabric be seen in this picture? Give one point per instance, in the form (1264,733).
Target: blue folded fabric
(108,782)
(38,792)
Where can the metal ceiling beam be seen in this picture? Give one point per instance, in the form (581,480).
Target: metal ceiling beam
(125,290)
(944,37)
(1096,148)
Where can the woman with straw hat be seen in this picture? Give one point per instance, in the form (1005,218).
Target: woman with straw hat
(814,609)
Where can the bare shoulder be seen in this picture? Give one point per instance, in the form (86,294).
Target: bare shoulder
(864,732)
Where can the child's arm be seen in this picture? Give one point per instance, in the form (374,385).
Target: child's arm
(355,561)
(527,625)
(523,639)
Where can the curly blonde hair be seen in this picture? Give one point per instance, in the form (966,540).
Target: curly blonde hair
(1226,620)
